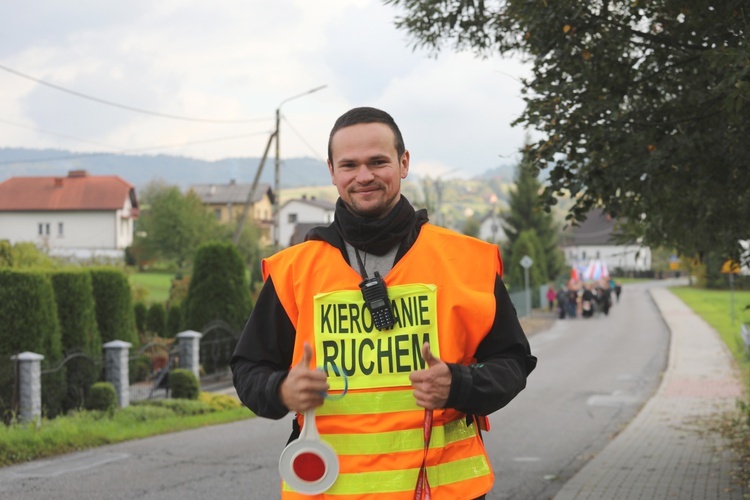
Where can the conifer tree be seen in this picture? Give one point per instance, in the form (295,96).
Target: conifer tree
(527,213)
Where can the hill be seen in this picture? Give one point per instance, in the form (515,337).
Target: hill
(139,170)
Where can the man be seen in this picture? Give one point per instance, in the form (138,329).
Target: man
(442,352)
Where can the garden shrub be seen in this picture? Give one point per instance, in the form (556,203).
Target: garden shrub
(183,384)
(28,322)
(102,397)
(174,321)
(140,311)
(114,306)
(76,311)
(156,320)
(218,288)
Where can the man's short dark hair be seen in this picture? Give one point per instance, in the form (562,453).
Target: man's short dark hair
(367,115)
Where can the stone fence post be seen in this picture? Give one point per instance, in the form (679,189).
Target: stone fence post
(190,352)
(29,386)
(116,355)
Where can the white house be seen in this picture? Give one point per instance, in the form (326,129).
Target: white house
(491,228)
(593,241)
(308,211)
(79,215)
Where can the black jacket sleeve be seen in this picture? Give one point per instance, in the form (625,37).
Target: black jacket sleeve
(261,360)
(504,361)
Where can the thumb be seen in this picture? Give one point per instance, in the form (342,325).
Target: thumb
(306,356)
(429,358)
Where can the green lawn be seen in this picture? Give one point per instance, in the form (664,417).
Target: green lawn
(158,284)
(714,307)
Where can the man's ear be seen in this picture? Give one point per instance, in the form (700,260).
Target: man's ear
(330,171)
(404,164)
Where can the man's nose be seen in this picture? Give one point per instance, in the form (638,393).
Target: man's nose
(364,174)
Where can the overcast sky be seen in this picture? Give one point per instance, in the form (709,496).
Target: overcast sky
(238,60)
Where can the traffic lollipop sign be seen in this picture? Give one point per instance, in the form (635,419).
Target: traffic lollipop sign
(307,464)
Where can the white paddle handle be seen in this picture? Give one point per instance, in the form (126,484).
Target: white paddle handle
(309,429)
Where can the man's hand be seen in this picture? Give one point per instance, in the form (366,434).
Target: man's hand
(303,388)
(431,386)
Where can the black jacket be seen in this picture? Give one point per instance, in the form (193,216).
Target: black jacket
(263,355)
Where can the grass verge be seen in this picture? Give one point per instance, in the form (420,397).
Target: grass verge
(714,306)
(88,429)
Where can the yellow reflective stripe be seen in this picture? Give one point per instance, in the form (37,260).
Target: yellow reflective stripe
(356,403)
(405,480)
(390,442)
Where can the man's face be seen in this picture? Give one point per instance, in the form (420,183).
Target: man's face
(366,170)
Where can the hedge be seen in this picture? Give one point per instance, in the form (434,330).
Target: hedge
(76,312)
(28,322)
(140,310)
(156,320)
(114,305)
(218,288)
(174,320)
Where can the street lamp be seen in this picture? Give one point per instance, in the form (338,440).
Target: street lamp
(277,169)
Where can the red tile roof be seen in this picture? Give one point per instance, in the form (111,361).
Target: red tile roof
(77,191)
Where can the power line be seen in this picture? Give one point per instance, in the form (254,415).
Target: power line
(40,131)
(124,106)
(314,152)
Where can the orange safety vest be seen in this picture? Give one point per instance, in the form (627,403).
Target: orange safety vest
(376,429)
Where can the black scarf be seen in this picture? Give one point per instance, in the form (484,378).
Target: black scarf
(373,235)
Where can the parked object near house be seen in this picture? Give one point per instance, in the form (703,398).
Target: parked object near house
(79,215)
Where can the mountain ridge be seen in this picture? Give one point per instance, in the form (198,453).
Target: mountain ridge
(183,171)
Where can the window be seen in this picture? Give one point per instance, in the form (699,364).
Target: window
(43,229)
(292,218)
(60,232)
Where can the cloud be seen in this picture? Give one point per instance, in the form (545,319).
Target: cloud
(235,59)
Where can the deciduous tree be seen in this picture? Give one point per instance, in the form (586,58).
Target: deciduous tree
(641,107)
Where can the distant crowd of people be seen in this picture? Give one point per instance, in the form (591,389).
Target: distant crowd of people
(584,300)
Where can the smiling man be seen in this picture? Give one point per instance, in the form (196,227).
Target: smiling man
(407,324)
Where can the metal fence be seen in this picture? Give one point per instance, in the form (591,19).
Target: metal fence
(537,298)
(149,367)
(216,348)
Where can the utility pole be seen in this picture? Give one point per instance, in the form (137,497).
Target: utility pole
(249,201)
(277,169)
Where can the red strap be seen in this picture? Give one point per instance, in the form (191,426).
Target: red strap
(422,490)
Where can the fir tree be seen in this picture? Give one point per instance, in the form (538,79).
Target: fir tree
(527,213)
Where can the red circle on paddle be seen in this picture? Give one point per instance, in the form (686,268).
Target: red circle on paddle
(309,466)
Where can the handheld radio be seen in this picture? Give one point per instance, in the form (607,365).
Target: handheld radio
(376,300)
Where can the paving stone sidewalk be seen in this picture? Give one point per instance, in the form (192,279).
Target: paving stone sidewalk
(666,452)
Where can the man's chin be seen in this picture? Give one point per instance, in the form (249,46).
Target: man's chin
(368,210)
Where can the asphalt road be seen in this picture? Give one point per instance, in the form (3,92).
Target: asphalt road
(593,376)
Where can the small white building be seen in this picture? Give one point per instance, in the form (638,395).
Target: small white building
(308,211)
(491,228)
(593,241)
(79,215)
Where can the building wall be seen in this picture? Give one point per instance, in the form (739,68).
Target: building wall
(297,211)
(94,230)
(628,258)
